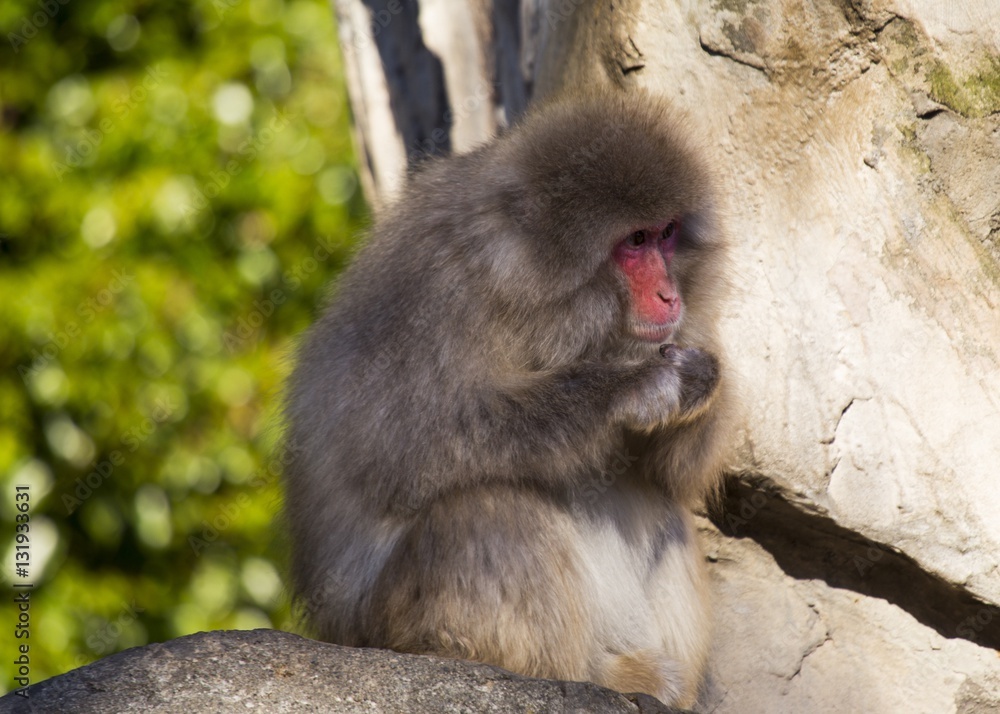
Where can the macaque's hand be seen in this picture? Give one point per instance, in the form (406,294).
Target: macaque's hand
(678,386)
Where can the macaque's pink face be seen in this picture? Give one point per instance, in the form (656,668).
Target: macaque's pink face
(644,257)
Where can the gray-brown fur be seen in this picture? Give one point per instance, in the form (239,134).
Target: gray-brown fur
(455,414)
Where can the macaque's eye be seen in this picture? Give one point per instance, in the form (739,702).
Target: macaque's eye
(670,230)
(636,239)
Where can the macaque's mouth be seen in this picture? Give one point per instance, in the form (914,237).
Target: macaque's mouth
(654,333)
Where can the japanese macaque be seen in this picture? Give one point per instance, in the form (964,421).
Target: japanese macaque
(498,428)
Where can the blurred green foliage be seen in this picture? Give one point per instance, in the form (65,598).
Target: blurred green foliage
(177,189)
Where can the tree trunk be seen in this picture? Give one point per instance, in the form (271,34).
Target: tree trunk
(857,143)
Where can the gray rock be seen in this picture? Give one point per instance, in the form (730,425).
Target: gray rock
(272,671)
